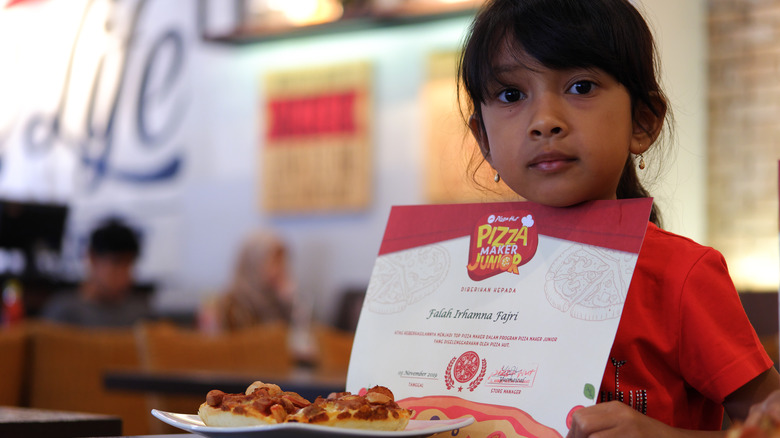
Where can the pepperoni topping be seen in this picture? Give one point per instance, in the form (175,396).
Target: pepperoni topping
(214,397)
(261,400)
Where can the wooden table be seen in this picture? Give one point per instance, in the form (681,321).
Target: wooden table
(306,384)
(32,423)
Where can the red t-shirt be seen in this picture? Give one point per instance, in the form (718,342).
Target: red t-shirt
(684,342)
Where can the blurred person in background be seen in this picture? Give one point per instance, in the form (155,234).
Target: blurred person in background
(260,291)
(104,298)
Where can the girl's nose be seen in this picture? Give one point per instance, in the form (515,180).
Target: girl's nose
(547,119)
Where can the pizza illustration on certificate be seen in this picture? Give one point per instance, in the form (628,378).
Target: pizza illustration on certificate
(505,312)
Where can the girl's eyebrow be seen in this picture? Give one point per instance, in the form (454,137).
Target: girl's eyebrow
(505,68)
(518,66)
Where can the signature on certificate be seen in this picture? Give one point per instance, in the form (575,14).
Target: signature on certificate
(513,375)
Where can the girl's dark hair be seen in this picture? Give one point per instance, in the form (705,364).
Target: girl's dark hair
(607,34)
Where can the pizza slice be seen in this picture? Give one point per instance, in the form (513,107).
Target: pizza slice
(262,403)
(375,410)
(266,403)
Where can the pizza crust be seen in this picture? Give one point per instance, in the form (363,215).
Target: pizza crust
(216,417)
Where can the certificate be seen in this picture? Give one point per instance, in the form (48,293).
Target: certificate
(502,311)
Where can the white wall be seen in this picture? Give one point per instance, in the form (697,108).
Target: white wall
(331,252)
(681,37)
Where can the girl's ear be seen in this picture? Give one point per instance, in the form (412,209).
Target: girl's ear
(478,131)
(648,123)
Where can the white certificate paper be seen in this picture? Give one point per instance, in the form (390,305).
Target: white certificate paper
(502,311)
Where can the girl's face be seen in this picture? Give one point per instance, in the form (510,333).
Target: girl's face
(557,137)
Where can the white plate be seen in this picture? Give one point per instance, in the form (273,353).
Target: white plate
(415,428)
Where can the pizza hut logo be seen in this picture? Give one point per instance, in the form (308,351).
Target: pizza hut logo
(467,369)
(501,243)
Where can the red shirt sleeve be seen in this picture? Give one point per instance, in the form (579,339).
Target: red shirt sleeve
(719,349)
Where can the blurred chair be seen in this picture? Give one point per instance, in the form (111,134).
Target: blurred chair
(67,373)
(350,305)
(334,347)
(771,343)
(761,309)
(13,366)
(259,352)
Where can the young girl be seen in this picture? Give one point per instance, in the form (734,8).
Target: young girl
(563,101)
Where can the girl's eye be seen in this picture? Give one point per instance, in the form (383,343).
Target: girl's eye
(510,95)
(582,87)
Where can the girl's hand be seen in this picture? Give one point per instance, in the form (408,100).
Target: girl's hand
(615,419)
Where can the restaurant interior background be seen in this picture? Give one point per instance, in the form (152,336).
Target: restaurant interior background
(198,121)
(166,113)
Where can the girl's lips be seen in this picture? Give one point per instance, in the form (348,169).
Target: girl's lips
(551,161)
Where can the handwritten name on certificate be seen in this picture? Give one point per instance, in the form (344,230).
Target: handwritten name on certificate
(505,312)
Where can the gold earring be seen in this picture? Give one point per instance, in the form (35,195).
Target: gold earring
(641,162)
(497,178)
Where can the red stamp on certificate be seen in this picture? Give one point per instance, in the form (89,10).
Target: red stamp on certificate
(467,369)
